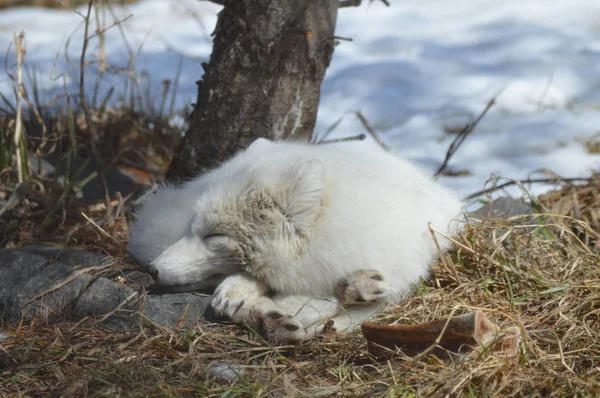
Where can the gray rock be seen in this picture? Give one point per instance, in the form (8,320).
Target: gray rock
(56,283)
(224,372)
(504,208)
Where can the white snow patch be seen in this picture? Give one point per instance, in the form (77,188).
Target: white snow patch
(415,70)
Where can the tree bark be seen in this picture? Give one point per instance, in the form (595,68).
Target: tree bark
(263,79)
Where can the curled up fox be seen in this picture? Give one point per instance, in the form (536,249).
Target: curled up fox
(292,234)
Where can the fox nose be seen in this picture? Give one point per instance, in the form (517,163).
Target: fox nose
(152,271)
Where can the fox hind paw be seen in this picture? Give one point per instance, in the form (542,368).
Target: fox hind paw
(278,328)
(362,287)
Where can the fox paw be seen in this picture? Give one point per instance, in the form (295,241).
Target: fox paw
(242,299)
(362,287)
(278,328)
(234,296)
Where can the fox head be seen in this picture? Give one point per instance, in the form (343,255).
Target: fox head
(253,211)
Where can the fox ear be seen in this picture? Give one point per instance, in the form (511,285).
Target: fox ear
(305,194)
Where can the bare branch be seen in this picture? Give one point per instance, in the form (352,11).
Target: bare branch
(371,130)
(88,117)
(115,23)
(349,3)
(359,137)
(528,181)
(460,137)
(58,3)
(356,3)
(335,124)
(343,38)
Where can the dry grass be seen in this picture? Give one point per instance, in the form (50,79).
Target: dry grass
(135,143)
(581,203)
(538,272)
(541,273)
(119,127)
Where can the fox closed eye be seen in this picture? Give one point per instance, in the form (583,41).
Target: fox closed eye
(217,242)
(214,236)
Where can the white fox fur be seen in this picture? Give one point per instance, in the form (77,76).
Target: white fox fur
(294,234)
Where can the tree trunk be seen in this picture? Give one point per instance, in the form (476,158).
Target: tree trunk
(263,79)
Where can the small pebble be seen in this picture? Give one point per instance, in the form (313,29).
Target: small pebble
(3,337)
(224,372)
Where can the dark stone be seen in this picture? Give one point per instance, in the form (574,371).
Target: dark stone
(504,208)
(57,283)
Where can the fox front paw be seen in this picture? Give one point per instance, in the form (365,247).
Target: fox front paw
(234,297)
(243,299)
(363,287)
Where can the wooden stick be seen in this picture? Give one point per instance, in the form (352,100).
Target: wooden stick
(505,344)
(461,334)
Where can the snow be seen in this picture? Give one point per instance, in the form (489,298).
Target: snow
(415,70)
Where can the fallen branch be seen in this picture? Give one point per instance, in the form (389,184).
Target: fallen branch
(462,136)
(470,333)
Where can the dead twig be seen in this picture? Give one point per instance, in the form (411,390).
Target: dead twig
(528,181)
(371,131)
(349,3)
(443,257)
(317,139)
(19,122)
(343,38)
(359,137)
(462,136)
(115,23)
(66,281)
(86,111)
(116,242)
(35,109)
(175,86)
(93,134)
(19,193)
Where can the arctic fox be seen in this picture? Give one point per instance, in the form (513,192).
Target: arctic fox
(293,234)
